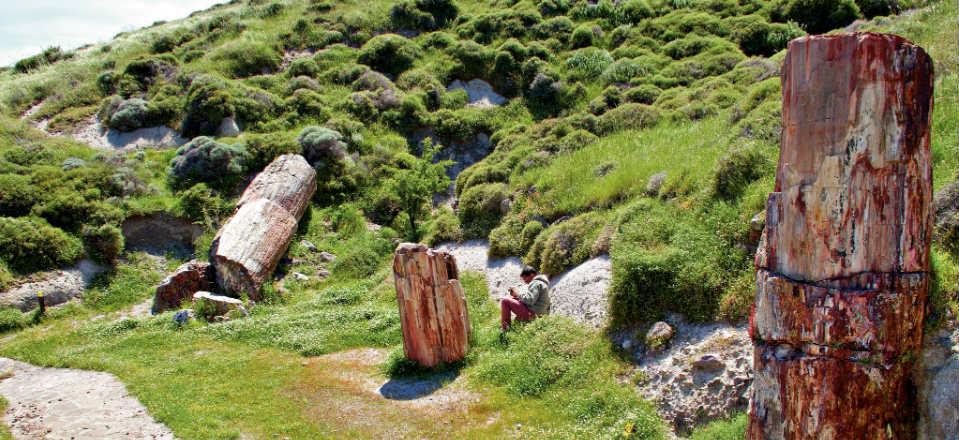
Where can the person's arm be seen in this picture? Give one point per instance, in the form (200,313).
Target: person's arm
(531,293)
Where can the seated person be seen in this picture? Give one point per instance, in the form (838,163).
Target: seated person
(528,304)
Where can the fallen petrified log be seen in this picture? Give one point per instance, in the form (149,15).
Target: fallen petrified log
(248,247)
(187,279)
(433,315)
(843,264)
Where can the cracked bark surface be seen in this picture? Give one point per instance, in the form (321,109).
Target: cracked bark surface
(248,247)
(843,264)
(433,313)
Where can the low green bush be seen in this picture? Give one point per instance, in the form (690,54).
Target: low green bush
(588,64)
(204,160)
(49,56)
(208,101)
(423,15)
(29,244)
(389,53)
(242,58)
(443,226)
(103,243)
(566,244)
(65,209)
(481,207)
(12,319)
(200,204)
(130,115)
(630,116)
(739,167)
(584,36)
(817,16)
(17,195)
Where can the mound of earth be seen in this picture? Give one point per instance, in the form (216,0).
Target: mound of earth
(580,293)
(57,286)
(160,233)
(58,403)
(93,134)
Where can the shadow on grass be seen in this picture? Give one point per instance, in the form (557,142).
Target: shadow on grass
(411,388)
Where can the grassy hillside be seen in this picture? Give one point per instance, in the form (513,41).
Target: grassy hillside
(645,129)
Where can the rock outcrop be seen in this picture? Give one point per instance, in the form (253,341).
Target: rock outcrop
(937,376)
(191,277)
(210,306)
(843,265)
(433,314)
(248,247)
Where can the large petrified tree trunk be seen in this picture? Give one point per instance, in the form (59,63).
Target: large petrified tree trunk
(433,315)
(843,266)
(248,247)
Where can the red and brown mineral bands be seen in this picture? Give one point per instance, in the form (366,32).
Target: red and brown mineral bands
(843,265)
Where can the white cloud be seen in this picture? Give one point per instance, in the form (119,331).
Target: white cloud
(29,26)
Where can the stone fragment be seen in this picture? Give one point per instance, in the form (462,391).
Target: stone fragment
(308,245)
(210,306)
(228,128)
(432,303)
(327,257)
(658,335)
(189,278)
(708,362)
(300,277)
(843,262)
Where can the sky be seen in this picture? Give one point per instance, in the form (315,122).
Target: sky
(29,26)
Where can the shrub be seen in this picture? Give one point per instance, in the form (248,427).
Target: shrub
(208,102)
(817,16)
(12,319)
(130,115)
(65,209)
(49,55)
(547,95)
(322,147)
(631,116)
(29,244)
(644,94)
(103,243)
(200,204)
(738,168)
(444,226)
(17,195)
(264,148)
(423,15)
(242,58)
(145,70)
(105,83)
(583,36)
(646,285)
(757,37)
(588,64)
(565,244)
(205,160)
(473,59)
(875,8)
(389,53)
(481,207)
(304,66)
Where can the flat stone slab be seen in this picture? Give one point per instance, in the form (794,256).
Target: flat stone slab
(59,403)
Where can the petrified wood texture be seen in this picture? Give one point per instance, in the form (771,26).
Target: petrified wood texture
(189,278)
(433,315)
(843,263)
(248,247)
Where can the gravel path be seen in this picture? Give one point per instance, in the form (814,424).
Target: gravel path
(57,403)
(580,293)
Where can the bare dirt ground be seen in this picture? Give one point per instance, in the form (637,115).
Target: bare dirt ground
(92,133)
(369,405)
(57,403)
(58,286)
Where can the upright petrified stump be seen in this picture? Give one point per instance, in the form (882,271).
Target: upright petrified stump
(248,247)
(433,315)
(843,265)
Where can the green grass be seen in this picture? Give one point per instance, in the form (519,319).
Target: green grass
(4,431)
(684,151)
(733,428)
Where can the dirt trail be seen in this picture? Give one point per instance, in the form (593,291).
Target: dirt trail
(58,403)
(579,293)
